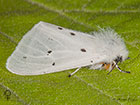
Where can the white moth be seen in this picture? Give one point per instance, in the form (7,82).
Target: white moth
(48,48)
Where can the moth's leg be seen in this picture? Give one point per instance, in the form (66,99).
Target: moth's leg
(109,72)
(113,65)
(74,71)
(121,70)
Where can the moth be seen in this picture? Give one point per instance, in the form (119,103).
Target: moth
(49,48)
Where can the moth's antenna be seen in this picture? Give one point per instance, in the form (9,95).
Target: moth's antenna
(128,58)
(74,71)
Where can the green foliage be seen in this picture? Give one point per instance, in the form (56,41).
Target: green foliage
(87,86)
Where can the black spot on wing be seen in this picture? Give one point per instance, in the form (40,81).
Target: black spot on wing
(49,51)
(83,50)
(50,38)
(24,57)
(73,34)
(53,63)
(60,28)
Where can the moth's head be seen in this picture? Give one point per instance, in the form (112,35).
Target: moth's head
(118,59)
(110,66)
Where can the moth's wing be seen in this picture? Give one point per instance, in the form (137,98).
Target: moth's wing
(48,48)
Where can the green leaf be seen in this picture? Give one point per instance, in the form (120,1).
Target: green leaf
(87,86)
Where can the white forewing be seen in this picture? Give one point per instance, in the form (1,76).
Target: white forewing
(48,48)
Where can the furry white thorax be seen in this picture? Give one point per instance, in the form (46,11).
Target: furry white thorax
(110,45)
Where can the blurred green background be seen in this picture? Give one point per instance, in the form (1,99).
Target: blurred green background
(87,87)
